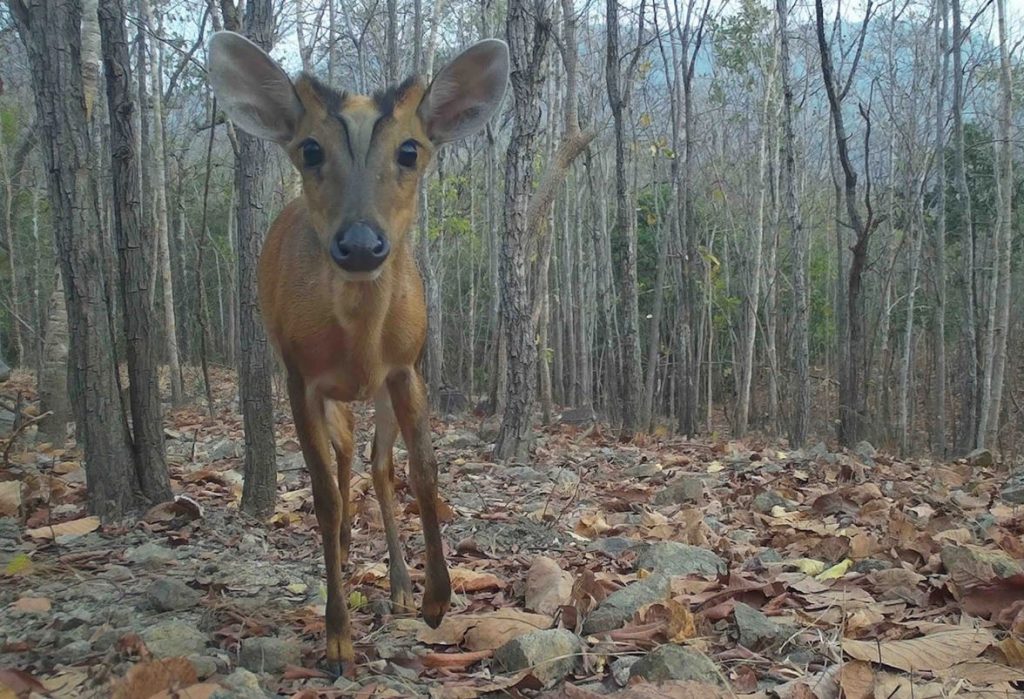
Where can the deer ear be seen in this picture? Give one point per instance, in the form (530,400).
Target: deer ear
(466,92)
(252,89)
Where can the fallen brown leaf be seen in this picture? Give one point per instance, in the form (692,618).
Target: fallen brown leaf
(936,652)
(66,530)
(857,679)
(547,586)
(466,580)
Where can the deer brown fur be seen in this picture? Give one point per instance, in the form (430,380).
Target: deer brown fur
(339,290)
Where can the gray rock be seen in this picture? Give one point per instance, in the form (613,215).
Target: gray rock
(551,654)
(682,490)
(116,573)
(173,638)
(756,631)
(150,555)
(671,662)
(269,654)
(205,665)
(224,449)
(563,476)
(644,470)
(620,668)
(866,451)
(1013,491)
(764,501)
(489,429)
(524,474)
(577,416)
(458,439)
(980,457)
(241,684)
(74,652)
(741,536)
(673,558)
(613,546)
(171,595)
(969,559)
(869,565)
(620,606)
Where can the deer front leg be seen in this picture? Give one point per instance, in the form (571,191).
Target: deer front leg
(339,419)
(409,400)
(308,411)
(383,467)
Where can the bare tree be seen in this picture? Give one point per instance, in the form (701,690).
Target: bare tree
(51,32)
(133,260)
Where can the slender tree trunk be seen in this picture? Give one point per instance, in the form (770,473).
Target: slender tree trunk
(53,377)
(967,430)
(159,166)
(625,225)
(254,359)
(527,35)
(938,398)
(134,262)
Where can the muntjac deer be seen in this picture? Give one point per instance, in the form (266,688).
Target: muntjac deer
(339,290)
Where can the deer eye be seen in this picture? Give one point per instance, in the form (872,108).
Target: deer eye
(312,153)
(407,153)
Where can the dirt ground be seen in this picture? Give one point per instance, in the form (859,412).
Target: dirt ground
(717,568)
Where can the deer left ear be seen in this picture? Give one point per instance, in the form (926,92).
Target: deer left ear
(466,92)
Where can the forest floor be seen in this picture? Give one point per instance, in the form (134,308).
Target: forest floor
(718,569)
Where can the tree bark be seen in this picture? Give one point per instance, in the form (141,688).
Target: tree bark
(51,32)
(133,260)
(254,359)
(938,397)
(527,35)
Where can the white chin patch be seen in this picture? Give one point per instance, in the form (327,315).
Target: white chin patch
(361,276)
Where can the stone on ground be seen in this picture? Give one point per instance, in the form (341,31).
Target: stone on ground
(673,558)
(269,654)
(551,654)
(670,662)
(620,606)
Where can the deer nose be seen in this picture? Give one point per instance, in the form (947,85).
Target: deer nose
(359,248)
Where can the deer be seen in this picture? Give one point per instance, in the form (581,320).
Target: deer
(340,294)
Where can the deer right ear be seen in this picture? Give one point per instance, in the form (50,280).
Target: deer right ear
(252,89)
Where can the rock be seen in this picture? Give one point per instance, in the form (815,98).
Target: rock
(974,563)
(764,501)
(673,558)
(670,662)
(620,606)
(524,474)
(620,668)
(224,449)
(489,429)
(644,470)
(685,489)
(551,654)
(6,420)
(167,639)
(5,371)
(980,457)
(742,536)
(547,586)
(1013,491)
(613,546)
(171,595)
(240,684)
(866,451)
(205,665)
(150,555)
(577,416)
(563,477)
(869,565)
(475,467)
(269,654)
(458,439)
(73,652)
(756,631)
(116,573)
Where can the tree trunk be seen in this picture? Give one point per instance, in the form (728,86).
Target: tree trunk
(938,397)
(625,225)
(133,261)
(51,32)
(159,166)
(53,377)
(967,430)
(527,35)
(254,359)
(1000,300)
